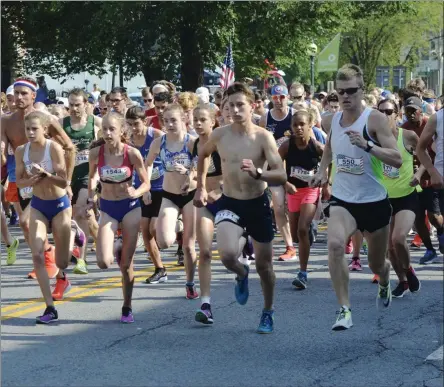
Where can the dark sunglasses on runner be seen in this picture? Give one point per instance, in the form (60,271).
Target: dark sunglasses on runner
(148,100)
(387,112)
(349,91)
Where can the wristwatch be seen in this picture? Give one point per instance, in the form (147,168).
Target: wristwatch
(258,173)
(370,145)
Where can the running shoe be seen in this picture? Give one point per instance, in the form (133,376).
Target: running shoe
(79,236)
(429,257)
(300,281)
(364,247)
(13,220)
(441,243)
(289,255)
(180,257)
(416,242)
(75,255)
(355,264)
(191,293)
(413,280)
(50,265)
(159,275)
(12,252)
(80,267)
(241,289)
(384,297)
(349,247)
(344,319)
(401,289)
(62,287)
(93,247)
(127,316)
(49,315)
(248,251)
(375,279)
(204,315)
(266,323)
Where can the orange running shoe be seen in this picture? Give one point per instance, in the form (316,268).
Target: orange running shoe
(50,265)
(416,242)
(375,279)
(62,286)
(289,255)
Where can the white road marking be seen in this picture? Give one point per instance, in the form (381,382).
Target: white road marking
(437,355)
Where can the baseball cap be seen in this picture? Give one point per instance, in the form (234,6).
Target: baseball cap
(91,98)
(279,90)
(413,102)
(204,94)
(10,90)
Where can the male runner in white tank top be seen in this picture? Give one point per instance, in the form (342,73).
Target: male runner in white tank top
(434,131)
(359,141)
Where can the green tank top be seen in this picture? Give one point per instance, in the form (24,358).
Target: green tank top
(81,138)
(395,180)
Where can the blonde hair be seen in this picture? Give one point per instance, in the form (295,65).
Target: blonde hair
(44,118)
(3,100)
(207,108)
(58,107)
(370,100)
(187,100)
(174,107)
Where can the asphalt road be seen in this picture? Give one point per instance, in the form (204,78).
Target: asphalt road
(166,347)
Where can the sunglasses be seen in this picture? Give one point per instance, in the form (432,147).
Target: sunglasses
(278,97)
(148,100)
(387,112)
(297,97)
(349,91)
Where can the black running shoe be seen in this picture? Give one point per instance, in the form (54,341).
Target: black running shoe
(400,290)
(160,275)
(413,281)
(180,257)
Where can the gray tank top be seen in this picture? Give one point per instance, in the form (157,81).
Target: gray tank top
(357,175)
(439,142)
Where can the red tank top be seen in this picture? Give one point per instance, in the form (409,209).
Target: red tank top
(115,175)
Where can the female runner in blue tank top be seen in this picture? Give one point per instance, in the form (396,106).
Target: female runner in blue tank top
(115,161)
(142,137)
(179,186)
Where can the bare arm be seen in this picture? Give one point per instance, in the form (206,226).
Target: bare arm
(263,121)
(136,160)
(203,161)
(93,161)
(58,163)
(58,134)
(421,149)
(97,126)
(276,174)
(5,141)
(22,178)
(152,154)
(388,152)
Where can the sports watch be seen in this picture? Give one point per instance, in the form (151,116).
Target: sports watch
(258,173)
(370,145)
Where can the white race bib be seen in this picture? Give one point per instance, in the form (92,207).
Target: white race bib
(226,215)
(350,165)
(301,173)
(390,172)
(82,157)
(157,173)
(26,193)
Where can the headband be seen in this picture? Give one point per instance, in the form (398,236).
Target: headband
(23,82)
(159,85)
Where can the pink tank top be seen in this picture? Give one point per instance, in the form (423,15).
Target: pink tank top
(115,175)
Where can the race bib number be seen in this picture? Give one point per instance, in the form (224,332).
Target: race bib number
(82,157)
(350,165)
(182,159)
(26,193)
(301,173)
(226,215)
(114,174)
(390,172)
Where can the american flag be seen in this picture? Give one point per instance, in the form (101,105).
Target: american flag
(227,76)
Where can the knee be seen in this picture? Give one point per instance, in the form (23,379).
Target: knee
(376,267)
(204,255)
(165,240)
(103,264)
(24,225)
(62,264)
(336,247)
(125,267)
(228,256)
(188,247)
(302,231)
(398,240)
(263,266)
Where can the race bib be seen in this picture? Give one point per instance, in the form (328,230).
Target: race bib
(350,165)
(157,173)
(26,193)
(82,157)
(114,174)
(226,215)
(390,172)
(301,173)
(182,159)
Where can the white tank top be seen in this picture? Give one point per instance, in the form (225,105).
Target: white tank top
(439,142)
(46,162)
(357,175)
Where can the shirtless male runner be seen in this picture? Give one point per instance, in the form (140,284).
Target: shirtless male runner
(359,142)
(13,133)
(244,148)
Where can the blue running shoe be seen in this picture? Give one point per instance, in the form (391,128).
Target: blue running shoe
(300,281)
(428,257)
(241,288)
(267,321)
(13,220)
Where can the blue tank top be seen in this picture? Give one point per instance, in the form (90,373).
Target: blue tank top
(158,171)
(279,127)
(169,158)
(10,165)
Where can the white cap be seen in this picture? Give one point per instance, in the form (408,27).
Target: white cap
(204,94)
(160,88)
(10,90)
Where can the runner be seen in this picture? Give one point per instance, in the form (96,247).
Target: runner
(278,122)
(115,161)
(82,129)
(11,243)
(174,150)
(434,131)
(301,154)
(360,140)
(13,133)
(118,98)
(142,138)
(204,121)
(40,165)
(400,184)
(243,146)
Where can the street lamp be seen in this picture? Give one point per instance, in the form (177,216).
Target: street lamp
(86,84)
(312,51)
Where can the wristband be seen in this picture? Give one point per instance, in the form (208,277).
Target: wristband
(69,182)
